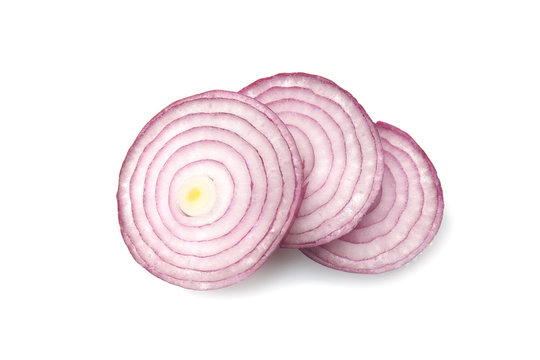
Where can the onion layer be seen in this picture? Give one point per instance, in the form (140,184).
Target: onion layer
(239,175)
(340,149)
(404,221)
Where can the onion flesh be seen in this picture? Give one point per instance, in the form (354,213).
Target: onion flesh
(402,223)
(234,156)
(340,149)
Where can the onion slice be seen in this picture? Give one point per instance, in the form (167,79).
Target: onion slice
(404,221)
(340,149)
(208,190)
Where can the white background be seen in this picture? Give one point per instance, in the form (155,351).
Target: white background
(78,82)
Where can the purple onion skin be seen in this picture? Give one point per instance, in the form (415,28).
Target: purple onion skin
(355,251)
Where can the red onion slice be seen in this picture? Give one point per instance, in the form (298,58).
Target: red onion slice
(208,190)
(340,149)
(404,221)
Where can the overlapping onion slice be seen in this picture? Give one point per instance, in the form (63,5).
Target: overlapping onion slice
(340,149)
(404,221)
(240,149)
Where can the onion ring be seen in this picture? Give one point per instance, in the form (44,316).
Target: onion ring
(208,190)
(339,146)
(405,220)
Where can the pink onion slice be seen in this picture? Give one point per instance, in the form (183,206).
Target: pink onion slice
(404,221)
(340,149)
(245,161)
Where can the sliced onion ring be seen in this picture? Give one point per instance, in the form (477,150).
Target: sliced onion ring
(405,220)
(230,144)
(340,149)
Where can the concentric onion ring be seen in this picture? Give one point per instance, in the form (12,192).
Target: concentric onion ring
(244,153)
(405,220)
(340,149)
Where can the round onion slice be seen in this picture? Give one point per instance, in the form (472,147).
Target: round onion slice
(404,221)
(340,149)
(208,190)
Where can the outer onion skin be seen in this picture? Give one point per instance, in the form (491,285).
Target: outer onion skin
(253,159)
(405,220)
(340,148)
